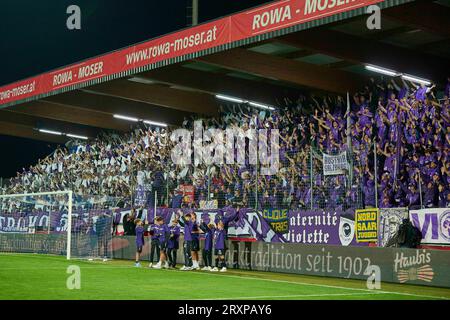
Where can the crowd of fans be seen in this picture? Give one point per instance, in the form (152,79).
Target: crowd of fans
(405,123)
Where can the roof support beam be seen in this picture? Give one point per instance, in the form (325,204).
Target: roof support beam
(425,15)
(220,84)
(24,131)
(111,105)
(359,50)
(61,112)
(295,72)
(8,115)
(158,95)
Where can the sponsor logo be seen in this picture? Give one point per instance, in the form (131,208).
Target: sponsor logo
(413,267)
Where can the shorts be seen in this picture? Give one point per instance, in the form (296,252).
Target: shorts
(195,245)
(162,246)
(139,249)
(219,252)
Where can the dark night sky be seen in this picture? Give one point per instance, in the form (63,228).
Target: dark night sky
(34,39)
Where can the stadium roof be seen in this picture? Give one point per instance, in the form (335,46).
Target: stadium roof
(260,55)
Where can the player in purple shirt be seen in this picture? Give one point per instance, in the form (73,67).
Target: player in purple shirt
(207,250)
(163,234)
(139,241)
(185,221)
(154,251)
(173,244)
(219,247)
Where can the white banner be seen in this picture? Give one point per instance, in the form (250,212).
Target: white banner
(333,165)
(433,223)
(390,221)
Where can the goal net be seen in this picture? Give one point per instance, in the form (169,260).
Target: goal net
(59,222)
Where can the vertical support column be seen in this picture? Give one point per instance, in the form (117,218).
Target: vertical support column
(311,175)
(375,169)
(69,225)
(194,12)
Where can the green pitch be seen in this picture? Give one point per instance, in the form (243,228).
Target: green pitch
(32,276)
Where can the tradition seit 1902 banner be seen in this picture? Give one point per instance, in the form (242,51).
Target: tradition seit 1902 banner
(398,265)
(175,47)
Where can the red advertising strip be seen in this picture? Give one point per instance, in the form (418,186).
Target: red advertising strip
(264,19)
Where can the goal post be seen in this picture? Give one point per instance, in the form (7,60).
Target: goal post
(57,222)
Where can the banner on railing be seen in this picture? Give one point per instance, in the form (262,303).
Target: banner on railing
(390,221)
(278,219)
(366,225)
(322,227)
(335,164)
(433,223)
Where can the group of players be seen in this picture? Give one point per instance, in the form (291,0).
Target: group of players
(165,242)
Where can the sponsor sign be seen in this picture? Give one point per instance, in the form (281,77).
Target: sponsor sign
(333,165)
(433,223)
(254,22)
(366,225)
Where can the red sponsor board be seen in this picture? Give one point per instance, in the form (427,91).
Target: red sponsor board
(287,13)
(257,21)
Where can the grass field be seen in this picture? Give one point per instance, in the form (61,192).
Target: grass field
(32,276)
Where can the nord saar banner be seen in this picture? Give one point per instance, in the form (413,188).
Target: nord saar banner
(433,223)
(254,22)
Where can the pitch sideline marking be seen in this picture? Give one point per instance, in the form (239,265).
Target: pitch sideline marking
(296,295)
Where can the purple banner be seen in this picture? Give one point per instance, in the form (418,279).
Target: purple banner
(322,227)
(20,222)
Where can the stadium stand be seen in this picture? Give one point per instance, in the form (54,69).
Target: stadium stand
(407,123)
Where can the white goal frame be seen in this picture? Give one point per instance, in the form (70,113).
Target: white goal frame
(69,211)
